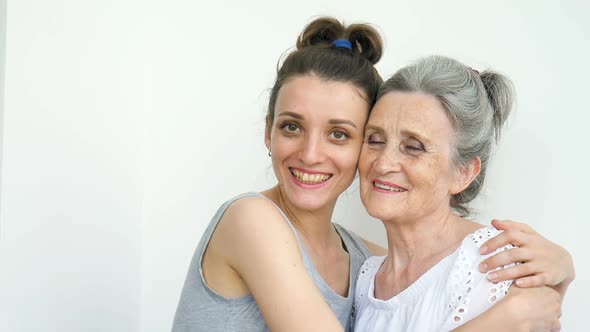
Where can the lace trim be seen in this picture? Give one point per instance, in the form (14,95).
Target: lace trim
(366,272)
(465,275)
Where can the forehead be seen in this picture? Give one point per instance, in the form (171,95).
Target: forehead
(411,111)
(311,96)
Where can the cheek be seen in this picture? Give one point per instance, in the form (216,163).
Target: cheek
(281,145)
(432,174)
(348,164)
(349,158)
(364,161)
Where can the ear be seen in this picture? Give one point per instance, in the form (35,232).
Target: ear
(267,131)
(465,174)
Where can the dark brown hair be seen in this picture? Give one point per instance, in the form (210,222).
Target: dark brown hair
(316,55)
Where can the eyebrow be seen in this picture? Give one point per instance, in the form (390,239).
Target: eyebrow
(415,134)
(374,128)
(332,121)
(341,122)
(404,132)
(291,114)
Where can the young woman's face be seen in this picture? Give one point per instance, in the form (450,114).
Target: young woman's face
(406,168)
(315,139)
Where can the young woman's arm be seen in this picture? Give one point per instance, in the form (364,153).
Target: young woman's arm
(543,262)
(255,241)
(522,310)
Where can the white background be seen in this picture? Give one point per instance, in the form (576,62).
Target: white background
(127,123)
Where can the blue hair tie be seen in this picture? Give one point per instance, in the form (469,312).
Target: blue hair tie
(342,43)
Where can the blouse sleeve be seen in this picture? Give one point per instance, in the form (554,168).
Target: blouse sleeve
(471,292)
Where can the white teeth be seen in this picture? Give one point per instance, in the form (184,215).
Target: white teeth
(310,178)
(386,187)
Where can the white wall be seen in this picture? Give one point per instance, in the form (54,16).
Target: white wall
(128,123)
(70,236)
(2,71)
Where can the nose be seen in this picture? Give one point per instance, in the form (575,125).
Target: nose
(387,161)
(312,151)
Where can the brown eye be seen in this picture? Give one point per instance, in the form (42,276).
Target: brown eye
(290,127)
(339,135)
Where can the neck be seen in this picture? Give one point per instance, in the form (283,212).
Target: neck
(315,226)
(417,241)
(416,244)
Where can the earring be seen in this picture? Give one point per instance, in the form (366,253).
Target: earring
(269,154)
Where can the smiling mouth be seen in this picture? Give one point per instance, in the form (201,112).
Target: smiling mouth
(388,188)
(308,178)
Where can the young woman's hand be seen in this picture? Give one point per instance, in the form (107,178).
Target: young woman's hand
(541,262)
(534,309)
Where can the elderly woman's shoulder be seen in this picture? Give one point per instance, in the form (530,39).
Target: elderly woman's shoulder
(471,292)
(465,273)
(472,243)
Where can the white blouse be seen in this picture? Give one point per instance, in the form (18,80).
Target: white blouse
(448,295)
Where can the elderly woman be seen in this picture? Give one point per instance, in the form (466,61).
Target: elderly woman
(427,148)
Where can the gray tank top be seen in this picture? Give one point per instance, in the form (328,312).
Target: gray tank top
(202,309)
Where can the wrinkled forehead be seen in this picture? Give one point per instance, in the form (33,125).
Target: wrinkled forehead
(414,111)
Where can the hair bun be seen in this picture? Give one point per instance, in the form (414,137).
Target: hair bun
(321,32)
(500,92)
(367,40)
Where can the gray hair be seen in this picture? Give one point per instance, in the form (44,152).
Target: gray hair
(477,104)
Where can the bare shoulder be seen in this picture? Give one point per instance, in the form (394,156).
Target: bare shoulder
(252,225)
(248,214)
(260,246)
(375,249)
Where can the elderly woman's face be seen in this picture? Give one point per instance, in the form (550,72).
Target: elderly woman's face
(406,169)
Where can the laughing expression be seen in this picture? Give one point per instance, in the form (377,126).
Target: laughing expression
(406,168)
(315,140)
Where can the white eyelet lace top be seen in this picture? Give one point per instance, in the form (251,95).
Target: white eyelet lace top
(448,295)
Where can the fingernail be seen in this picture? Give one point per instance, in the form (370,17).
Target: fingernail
(518,282)
(483,249)
(483,267)
(492,276)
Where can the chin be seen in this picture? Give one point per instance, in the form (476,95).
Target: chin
(380,210)
(372,209)
(382,215)
(308,201)
(309,204)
